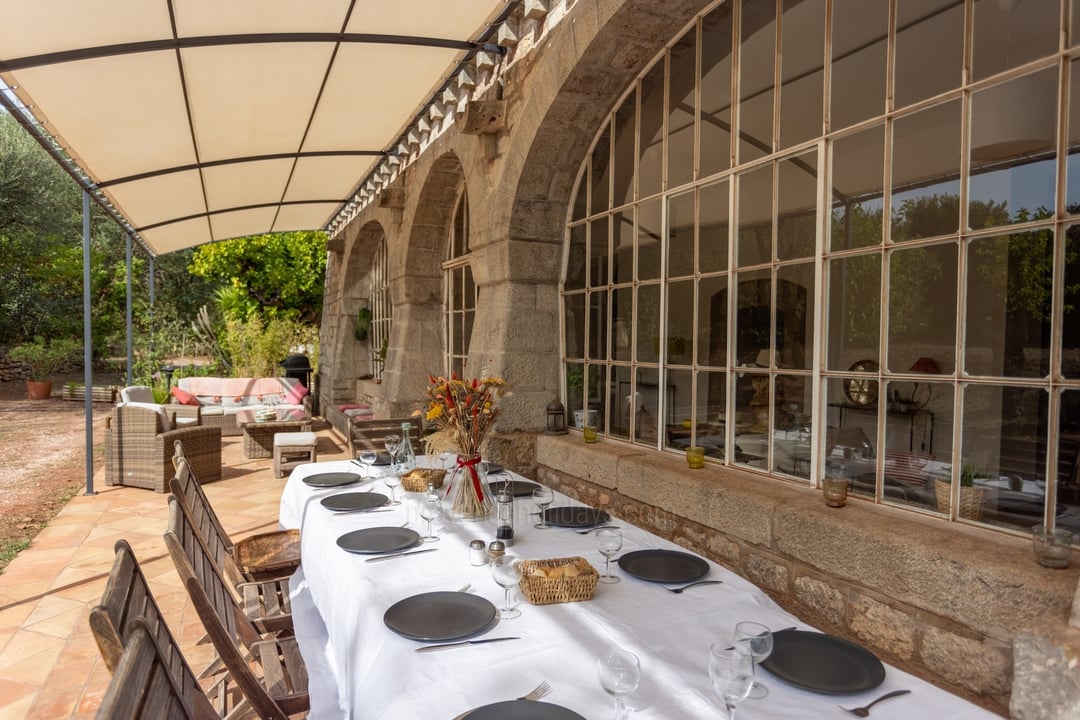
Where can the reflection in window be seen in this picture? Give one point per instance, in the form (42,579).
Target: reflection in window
(719,280)
(381,309)
(461,292)
(926,165)
(922,306)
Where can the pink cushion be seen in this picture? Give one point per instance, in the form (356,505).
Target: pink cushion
(184,397)
(295,396)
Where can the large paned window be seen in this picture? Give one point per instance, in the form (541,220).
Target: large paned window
(381,310)
(461,292)
(841,239)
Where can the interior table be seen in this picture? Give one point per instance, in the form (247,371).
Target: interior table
(259,433)
(360,669)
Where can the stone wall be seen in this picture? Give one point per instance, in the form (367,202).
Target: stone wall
(11,370)
(944,602)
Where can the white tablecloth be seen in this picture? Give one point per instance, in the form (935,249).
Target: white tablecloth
(339,602)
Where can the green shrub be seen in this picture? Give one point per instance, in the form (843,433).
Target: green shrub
(46,358)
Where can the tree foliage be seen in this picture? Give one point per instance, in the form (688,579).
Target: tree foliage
(272,276)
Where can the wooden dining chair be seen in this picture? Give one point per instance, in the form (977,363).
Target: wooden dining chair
(142,686)
(127,605)
(281,690)
(369,434)
(258,557)
(266,603)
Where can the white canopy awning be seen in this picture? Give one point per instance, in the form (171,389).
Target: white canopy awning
(202,120)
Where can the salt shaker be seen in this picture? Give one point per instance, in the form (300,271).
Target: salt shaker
(504,518)
(478,553)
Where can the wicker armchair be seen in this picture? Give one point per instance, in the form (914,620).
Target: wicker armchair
(139,447)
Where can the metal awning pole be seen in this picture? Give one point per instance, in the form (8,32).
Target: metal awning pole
(88,349)
(130,349)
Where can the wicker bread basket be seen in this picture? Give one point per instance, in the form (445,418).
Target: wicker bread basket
(544,591)
(418,479)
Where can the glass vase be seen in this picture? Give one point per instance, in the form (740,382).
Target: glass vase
(472,497)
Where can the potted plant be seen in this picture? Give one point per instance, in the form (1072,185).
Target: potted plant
(575,383)
(44,360)
(363,324)
(971,498)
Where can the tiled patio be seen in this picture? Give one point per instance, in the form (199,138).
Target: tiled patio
(49,664)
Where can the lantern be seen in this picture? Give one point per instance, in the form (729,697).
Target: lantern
(556,418)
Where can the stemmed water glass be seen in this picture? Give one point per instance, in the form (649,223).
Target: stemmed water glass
(506,571)
(392,442)
(393,480)
(731,670)
(608,542)
(759,640)
(543,496)
(620,673)
(430,508)
(368,457)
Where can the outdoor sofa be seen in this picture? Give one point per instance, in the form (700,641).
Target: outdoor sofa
(218,399)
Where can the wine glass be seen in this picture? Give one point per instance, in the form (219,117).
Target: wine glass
(759,639)
(506,571)
(392,442)
(393,482)
(543,496)
(430,508)
(731,670)
(368,457)
(620,673)
(608,542)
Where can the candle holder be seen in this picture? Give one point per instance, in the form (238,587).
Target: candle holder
(1052,548)
(695,457)
(589,433)
(835,491)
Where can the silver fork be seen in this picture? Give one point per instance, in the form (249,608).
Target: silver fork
(538,692)
(686,587)
(586,531)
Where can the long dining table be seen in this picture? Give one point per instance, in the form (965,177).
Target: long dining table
(359,668)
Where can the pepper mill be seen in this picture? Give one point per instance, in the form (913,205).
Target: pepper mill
(504,518)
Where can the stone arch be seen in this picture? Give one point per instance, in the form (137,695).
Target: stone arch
(558,100)
(350,358)
(417,335)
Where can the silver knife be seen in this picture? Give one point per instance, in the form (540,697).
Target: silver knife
(399,554)
(462,643)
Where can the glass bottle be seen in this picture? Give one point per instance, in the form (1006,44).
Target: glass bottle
(406,458)
(504,518)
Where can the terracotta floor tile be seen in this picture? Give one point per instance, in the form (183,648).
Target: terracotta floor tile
(18,709)
(13,692)
(49,663)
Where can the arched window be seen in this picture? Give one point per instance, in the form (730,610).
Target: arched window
(461,291)
(781,249)
(381,310)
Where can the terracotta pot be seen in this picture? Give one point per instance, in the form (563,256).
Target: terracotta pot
(38,390)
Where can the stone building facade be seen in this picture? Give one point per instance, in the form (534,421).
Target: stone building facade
(959,604)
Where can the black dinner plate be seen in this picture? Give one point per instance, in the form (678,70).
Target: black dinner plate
(440,616)
(522,710)
(570,516)
(663,566)
(331,479)
(518,488)
(349,502)
(378,540)
(823,663)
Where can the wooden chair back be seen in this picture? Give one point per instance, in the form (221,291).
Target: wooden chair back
(128,604)
(142,685)
(368,434)
(263,556)
(127,597)
(225,623)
